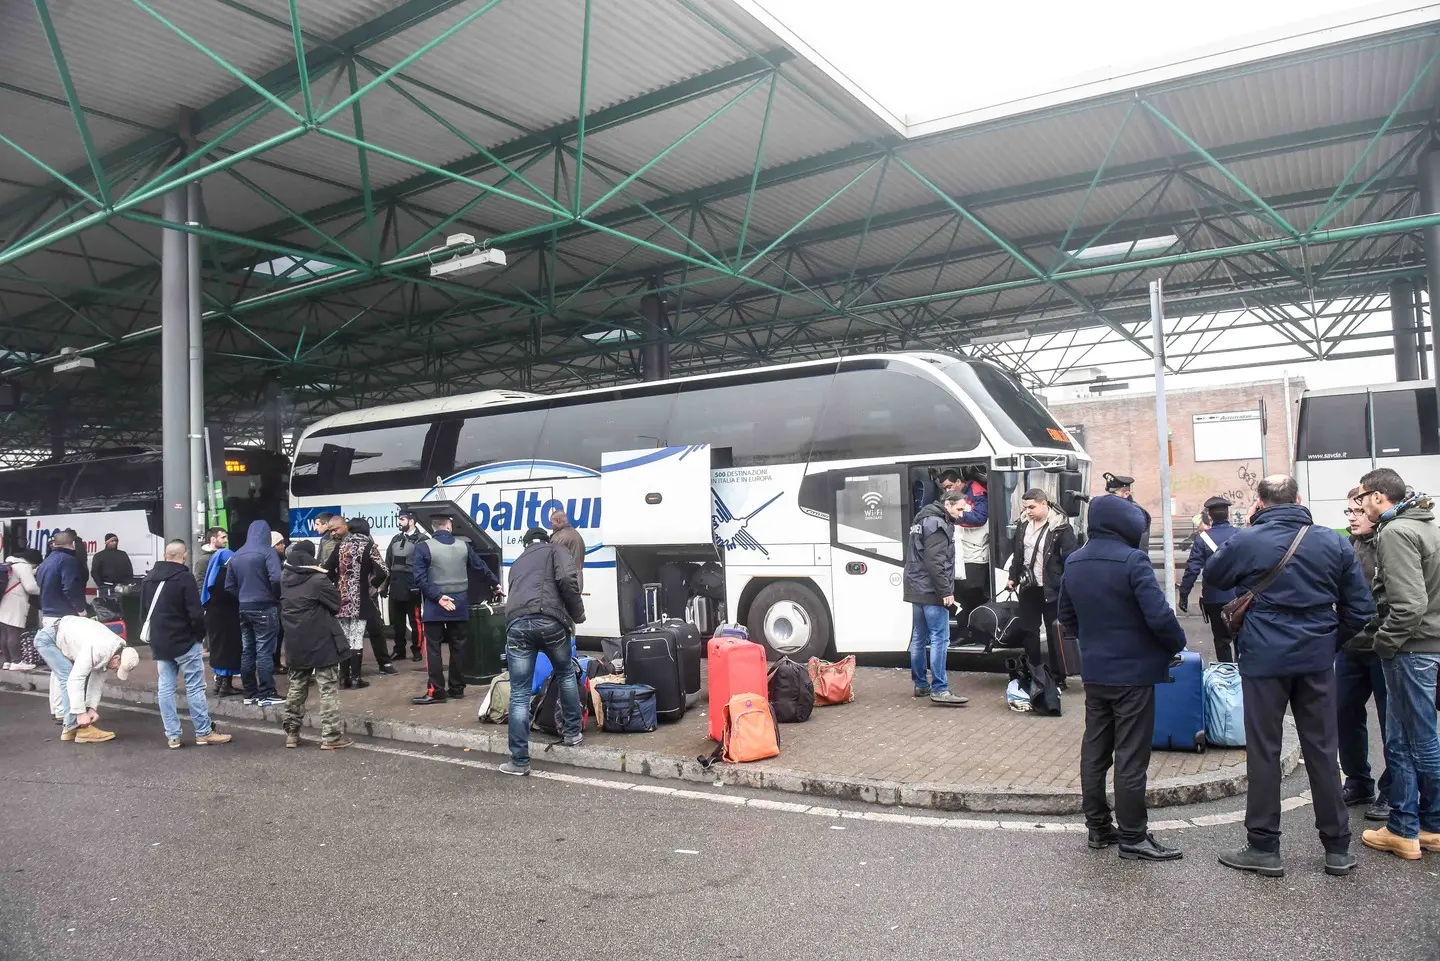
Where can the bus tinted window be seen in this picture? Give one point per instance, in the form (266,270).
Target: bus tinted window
(769,422)
(1333,428)
(580,433)
(1019,417)
(888,411)
(496,436)
(1406,422)
(376,458)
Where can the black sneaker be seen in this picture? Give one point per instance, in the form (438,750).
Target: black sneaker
(1149,850)
(1264,863)
(922,692)
(513,769)
(427,699)
(1339,863)
(387,670)
(1102,838)
(1355,798)
(1379,810)
(415,656)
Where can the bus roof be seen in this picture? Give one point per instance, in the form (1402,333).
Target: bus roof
(1373,388)
(487,398)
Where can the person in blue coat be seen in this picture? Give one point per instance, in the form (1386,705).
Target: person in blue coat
(1212,599)
(1287,645)
(1111,603)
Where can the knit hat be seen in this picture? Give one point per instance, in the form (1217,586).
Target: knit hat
(276,538)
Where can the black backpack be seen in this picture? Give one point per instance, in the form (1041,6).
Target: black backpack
(709,581)
(792,693)
(545,714)
(4,579)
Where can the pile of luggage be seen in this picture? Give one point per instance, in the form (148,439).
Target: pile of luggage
(662,679)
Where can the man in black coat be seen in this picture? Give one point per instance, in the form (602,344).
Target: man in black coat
(1042,540)
(174,626)
(314,646)
(111,567)
(1110,602)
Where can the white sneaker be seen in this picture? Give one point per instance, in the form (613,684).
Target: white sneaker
(5,666)
(22,666)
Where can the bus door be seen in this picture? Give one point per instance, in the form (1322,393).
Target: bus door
(868,530)
(464,530)
(656,497)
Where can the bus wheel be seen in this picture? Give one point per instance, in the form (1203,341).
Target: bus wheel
(790,620)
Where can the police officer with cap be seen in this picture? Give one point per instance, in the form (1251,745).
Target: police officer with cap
(401,589)
(1120,487)
(1212,600)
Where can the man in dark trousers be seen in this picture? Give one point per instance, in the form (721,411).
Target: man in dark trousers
(1212,600)
(1313,603)
(542,611)
(1110,602)
(440,567)
(111,567)
(401,591)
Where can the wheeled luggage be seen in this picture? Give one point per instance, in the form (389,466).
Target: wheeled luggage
(1180,707)
(1068,649)
(737,666)
(700,612)
(665,655)
(994,625)
(674,578)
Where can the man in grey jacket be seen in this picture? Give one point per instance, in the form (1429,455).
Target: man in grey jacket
(1407,641)
(543,606)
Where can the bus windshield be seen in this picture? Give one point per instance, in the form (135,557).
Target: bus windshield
(1017,415)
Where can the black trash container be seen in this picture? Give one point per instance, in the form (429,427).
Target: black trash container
(487,643)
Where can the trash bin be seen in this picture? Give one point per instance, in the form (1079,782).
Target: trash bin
(487,643)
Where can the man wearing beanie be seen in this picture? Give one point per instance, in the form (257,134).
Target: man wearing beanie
(315,645)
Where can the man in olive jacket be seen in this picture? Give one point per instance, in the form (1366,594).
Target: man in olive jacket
(1407,641)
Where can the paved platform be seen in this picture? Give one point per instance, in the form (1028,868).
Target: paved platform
(885,748)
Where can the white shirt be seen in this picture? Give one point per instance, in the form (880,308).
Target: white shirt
(1034,533)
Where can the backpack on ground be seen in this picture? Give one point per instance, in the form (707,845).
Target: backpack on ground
(1224,706)
(792,693)
(626,708)
(750,732)
(495,709)
(545,713)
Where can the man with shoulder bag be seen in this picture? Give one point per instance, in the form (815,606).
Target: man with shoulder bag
(1301,596)
(1043,539)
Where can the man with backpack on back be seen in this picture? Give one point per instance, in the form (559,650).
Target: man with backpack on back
(543,606)
(1212,599)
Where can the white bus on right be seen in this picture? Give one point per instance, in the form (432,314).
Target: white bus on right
(1346,431)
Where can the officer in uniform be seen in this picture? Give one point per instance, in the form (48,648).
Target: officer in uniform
(440,567)
(1212,600)
(1120,487)
(401,589)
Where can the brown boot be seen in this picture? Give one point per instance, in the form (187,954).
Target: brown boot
(214,737)
(1382,840)
(339,743)
(1429,840)
(293,739)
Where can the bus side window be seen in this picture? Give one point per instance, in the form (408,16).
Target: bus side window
(1405,422)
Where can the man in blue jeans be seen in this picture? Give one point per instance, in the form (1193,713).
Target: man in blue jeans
(171,603)
(1407,641)
(929,587)
(61,579)
(543,608)
(253,576)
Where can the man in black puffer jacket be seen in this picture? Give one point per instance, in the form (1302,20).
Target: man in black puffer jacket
(543,606)
(929,589)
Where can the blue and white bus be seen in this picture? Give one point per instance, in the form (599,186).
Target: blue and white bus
(800,479)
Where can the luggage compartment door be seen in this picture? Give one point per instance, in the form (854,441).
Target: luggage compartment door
(656,497)
(868,524)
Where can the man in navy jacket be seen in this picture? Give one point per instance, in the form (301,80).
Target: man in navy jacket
(61,578)
(1287,647)
(253,576)
(1111,603)
(1212,599)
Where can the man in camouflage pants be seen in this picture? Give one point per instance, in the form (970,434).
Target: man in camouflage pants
(314,646)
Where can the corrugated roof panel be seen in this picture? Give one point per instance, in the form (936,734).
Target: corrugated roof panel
(1053,215)
(235,207)
(48,131)
(522,60)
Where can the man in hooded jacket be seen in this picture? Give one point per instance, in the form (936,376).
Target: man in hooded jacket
(253,576)
(1111,603)
(317,645)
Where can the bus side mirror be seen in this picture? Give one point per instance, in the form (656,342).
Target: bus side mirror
(1072,496)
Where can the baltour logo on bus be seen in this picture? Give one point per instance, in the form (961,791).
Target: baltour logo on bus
(522,509)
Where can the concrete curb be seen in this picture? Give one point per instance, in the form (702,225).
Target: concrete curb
(1183,790)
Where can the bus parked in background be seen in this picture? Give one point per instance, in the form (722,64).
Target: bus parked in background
(118,491)
(801,480)
(1346,431)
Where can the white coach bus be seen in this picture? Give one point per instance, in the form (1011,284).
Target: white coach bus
(1345,432)
(800,479)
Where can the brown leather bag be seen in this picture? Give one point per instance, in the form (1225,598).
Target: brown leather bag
(834,683)
(1234,613)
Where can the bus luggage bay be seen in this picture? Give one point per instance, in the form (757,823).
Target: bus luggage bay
(800,479)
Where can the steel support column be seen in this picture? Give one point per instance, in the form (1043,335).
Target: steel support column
(1427,176)
(655,352)
(174,373)
(1162,428)
(196,345)
(1402,326)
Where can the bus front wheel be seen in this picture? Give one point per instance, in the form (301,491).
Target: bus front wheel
(790,620)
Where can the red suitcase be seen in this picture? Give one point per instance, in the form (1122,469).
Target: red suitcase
(736,667)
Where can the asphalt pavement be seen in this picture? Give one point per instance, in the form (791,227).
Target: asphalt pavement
(127,850)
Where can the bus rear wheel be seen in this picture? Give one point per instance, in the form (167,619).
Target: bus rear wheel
(790,620)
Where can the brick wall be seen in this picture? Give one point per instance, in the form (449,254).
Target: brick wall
(1119,435)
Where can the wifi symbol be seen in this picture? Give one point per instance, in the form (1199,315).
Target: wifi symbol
(872,499)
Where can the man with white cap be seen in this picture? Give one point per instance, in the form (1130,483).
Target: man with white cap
(84,648)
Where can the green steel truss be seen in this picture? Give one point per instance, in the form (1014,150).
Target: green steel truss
(355,319)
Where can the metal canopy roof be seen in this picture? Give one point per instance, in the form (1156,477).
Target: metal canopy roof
(782,217)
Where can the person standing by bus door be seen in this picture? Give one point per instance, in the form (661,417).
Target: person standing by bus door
(1042,541)
(1212,600)
(972,543)
(440,567)
(111,567)
(929,579)
(400,592)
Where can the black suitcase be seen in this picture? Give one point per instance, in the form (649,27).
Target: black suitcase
(995,625)
(666,655)
(674,578)
(1069,660)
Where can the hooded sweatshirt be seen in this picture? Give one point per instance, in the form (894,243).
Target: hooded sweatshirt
(254,572)
(1407,580)
(1111,603)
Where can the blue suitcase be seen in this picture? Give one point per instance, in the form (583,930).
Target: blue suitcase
(1180,707)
